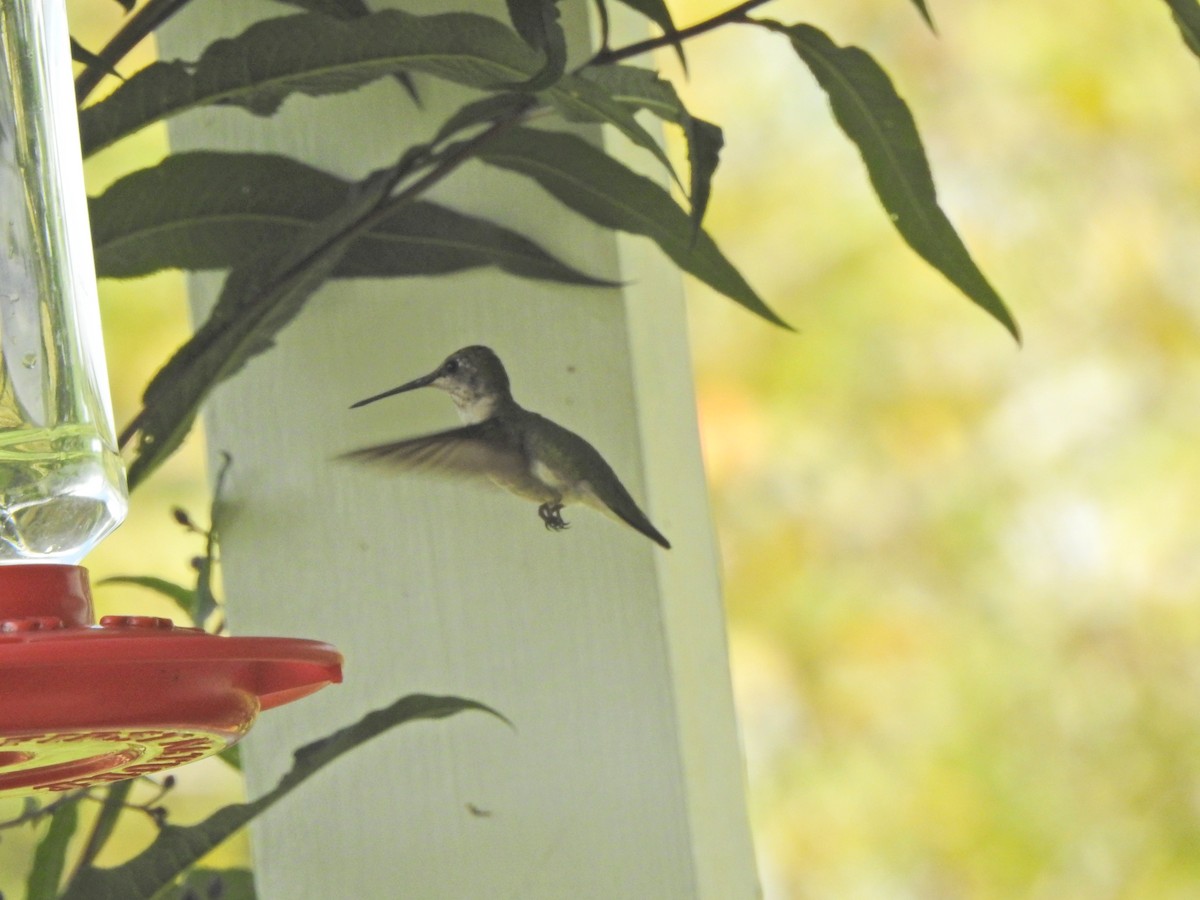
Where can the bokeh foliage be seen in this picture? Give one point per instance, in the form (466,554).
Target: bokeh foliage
(963,579)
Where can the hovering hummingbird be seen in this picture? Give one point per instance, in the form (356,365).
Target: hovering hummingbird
(517,449)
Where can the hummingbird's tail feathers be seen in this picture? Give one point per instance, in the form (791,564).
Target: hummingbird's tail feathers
(643,525)
(611,497)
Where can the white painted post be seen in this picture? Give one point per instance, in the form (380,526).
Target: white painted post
(623,777)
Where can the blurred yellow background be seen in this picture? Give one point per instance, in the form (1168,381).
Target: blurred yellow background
(962,577)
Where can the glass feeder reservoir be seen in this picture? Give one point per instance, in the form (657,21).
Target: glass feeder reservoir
(62,483)
(81,702)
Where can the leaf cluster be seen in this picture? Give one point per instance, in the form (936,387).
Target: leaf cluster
(282,228)
(176,849)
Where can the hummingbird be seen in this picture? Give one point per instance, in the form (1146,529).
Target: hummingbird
(519,450)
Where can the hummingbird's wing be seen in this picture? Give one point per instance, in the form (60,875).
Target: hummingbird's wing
(483,450)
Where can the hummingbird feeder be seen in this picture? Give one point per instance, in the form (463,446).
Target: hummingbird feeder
(81,702)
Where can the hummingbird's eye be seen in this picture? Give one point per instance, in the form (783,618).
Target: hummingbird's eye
(450,367)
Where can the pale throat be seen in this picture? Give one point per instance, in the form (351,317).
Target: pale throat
(473,407)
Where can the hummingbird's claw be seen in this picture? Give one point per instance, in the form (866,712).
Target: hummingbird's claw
(551,514)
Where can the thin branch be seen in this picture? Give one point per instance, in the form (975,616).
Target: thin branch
(102,828)
(735,14)
(37,812)
(135,30)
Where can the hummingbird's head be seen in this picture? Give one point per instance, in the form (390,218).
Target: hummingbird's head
(474,378)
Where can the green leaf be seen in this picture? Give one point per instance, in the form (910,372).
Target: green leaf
(351,9)
(206,599)
(1186,14)
(878,121)
(314,55)
(258,299)
(643,89)
(49,859)
(580,100)
(232,756)
(184,597)
(224,884)
(923,9)
(152,14)
(656,11)
(208,210)
(339,9)
(598,187)
(537,22)
(484,110)
(105,823)
(178,847)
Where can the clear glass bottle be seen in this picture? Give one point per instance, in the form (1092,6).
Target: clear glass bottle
(62,481)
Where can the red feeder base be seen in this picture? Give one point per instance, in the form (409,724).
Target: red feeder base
(84,704)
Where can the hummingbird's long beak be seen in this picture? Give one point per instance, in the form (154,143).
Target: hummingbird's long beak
(421,382)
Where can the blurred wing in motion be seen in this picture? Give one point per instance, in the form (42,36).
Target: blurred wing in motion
(483,450)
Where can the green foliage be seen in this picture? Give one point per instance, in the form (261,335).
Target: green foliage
(259,298)
(643,89)
(872,115)
(212,210)
(537,21)
(199,602)
(221,884)
(595,185)
(204,210)
(923,9)
(656,11)
(50,859)
(177,848)
(313,55)
(1186,14)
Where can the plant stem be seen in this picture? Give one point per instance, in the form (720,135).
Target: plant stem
(734,14)
(102,829)
(141,24)
(33,815)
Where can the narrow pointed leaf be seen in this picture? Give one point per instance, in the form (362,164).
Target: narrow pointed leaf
(152,15)
(656,11)
(923,9)
(878,121)
(105,823)
(597,186)
(580,100)
(352,9)
(314,55)
(206,598)
(208,210)
(258,299)
(49,859)
(537,22)
(1186,14)
(178,847)
(339,9)
(643,89)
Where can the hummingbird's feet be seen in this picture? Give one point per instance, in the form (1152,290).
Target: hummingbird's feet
(551,514)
